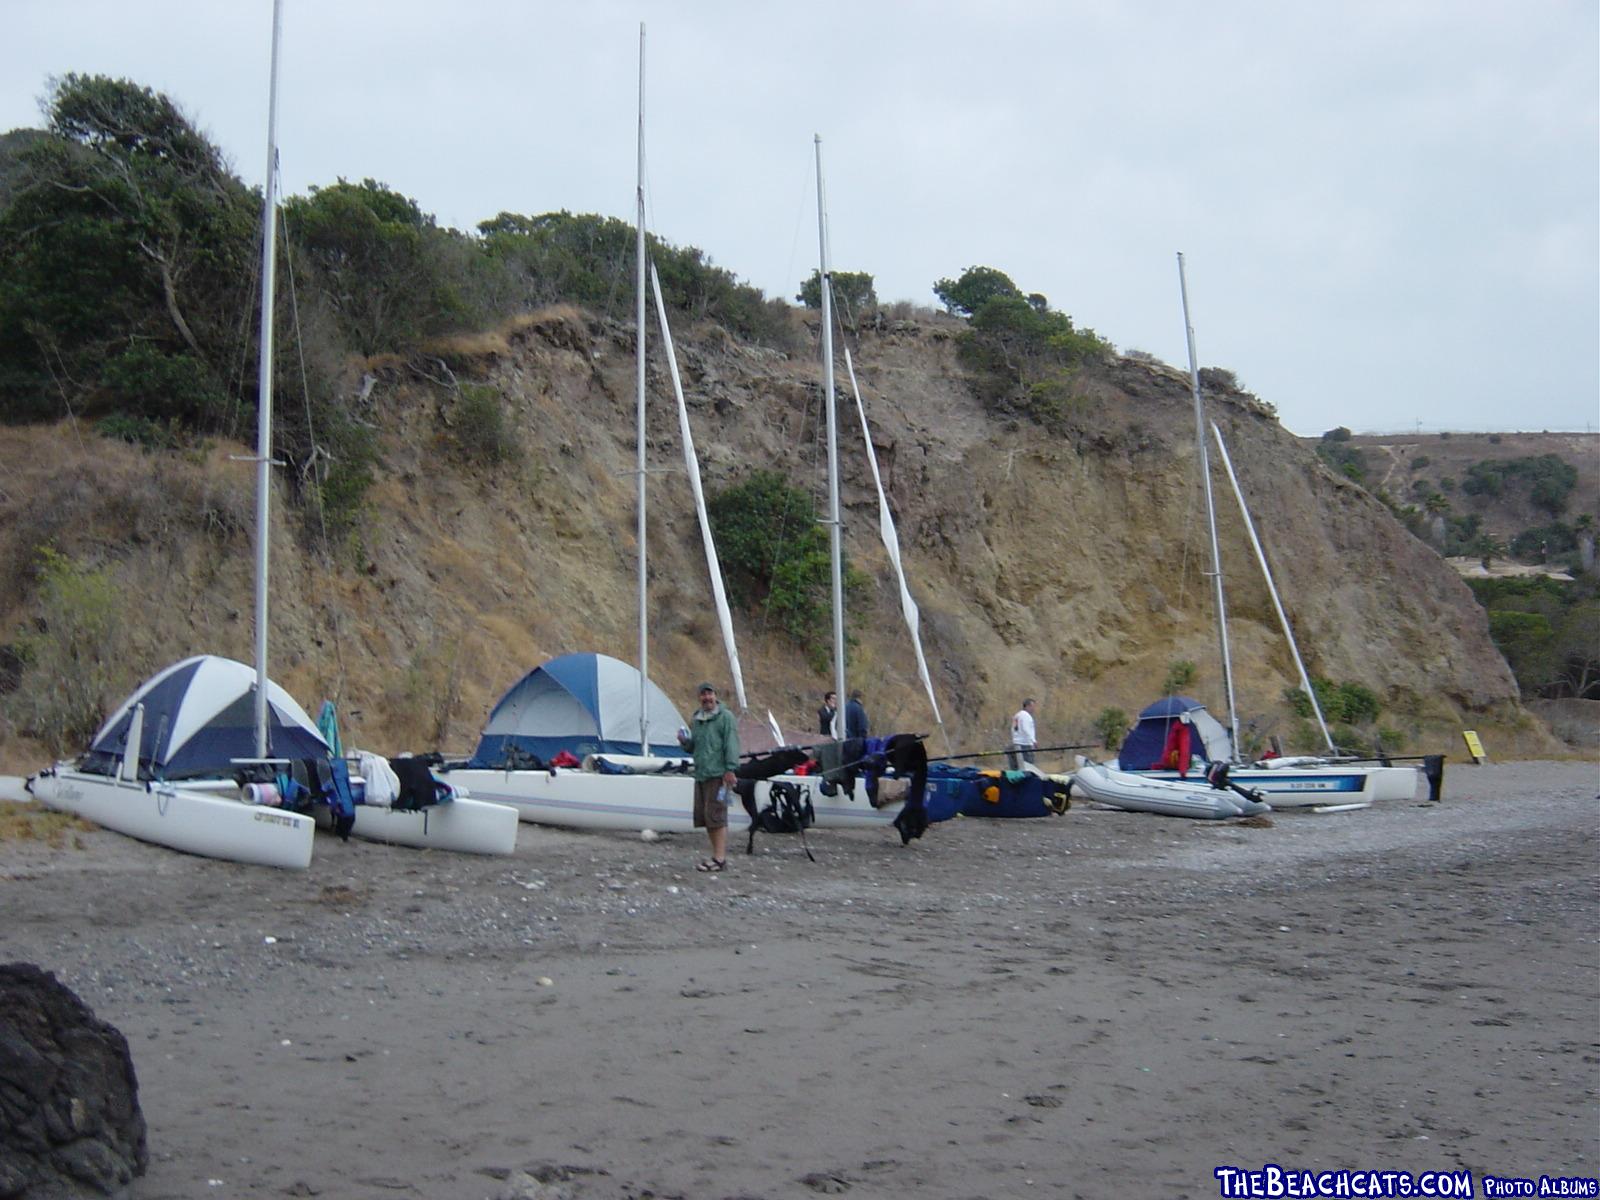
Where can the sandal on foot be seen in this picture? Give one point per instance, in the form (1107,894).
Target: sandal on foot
(712,865)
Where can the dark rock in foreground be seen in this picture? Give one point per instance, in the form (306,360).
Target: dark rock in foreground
(70,1123)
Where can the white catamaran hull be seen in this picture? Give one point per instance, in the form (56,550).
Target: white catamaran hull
(464,826)
(1298,787)
(576,799)
(1395,783)
(460,825)
(181,818)
(1144,793)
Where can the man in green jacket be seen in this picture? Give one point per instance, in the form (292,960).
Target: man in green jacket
(713,738)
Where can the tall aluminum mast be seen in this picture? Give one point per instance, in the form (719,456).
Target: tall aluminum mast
(835,541)
(269,258)
(1211,515)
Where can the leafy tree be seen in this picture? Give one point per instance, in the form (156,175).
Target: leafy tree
(1577,649)
(1484,479)
(144,382)
(975,287)
(588,259)
(1487,547)
(852,290)
(380,264)
(1553,481)
(1023,357)
(775,554)
(1549,477)
(1219,379)
(1549,631)
(1527,641)
(559,256)
(122,230)
(1542,542)
(1335,450)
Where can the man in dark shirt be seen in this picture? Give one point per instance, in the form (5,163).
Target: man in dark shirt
(826,714)
(855,717)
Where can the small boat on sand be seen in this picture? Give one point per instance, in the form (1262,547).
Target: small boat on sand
(1171,798)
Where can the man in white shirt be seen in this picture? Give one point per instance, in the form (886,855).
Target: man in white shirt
(1023,737)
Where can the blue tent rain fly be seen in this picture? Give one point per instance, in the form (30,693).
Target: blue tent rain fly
(1147,740)
(199,715)
(581,703)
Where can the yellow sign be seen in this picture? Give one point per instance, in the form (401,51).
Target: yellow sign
(1474,746)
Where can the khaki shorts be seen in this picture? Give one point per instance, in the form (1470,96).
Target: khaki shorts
(709,811)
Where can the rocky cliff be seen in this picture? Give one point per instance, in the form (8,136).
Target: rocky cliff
(1067,565)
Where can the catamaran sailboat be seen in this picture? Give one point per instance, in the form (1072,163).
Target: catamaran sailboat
(168,766)
(648,790)
(1323,784)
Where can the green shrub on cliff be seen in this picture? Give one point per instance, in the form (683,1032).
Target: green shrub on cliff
(70,657)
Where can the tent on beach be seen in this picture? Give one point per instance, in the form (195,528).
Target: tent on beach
(581,703)
(1152,735)
(199,715)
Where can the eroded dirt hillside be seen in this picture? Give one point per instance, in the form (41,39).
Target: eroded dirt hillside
(1065,566)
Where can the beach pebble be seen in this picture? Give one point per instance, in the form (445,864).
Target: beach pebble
(545,981)
(648,835)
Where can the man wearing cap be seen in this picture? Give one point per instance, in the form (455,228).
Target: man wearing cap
(713,738)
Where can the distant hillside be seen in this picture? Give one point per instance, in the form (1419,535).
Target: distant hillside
(1477,477)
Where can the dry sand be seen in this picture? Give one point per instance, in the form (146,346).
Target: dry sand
(1102,1004)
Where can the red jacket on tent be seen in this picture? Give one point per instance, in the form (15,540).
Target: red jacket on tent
(1175,754)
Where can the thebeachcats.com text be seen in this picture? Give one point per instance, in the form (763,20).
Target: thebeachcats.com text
(1275,1182)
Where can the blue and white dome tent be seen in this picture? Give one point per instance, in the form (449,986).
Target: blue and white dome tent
(582,703)
(199,715)
(1147,740)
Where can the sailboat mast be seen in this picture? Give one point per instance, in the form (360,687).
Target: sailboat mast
(269,259)
(644,625)
(1272,588)
(1211,514)
(835,548)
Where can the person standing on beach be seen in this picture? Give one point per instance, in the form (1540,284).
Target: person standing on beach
(1023,736)
(826,714)
(713,738)
(855,717)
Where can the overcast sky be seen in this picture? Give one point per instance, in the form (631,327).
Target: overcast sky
(1389,208)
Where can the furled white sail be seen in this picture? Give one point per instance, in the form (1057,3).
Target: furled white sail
(891,546)
(692,467)
(1272,588)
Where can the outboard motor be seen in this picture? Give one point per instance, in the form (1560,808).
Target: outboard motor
(1217,777)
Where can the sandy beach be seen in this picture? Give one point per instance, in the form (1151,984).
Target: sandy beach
(1101,1004)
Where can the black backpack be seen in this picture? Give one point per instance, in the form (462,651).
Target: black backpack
(788,810)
